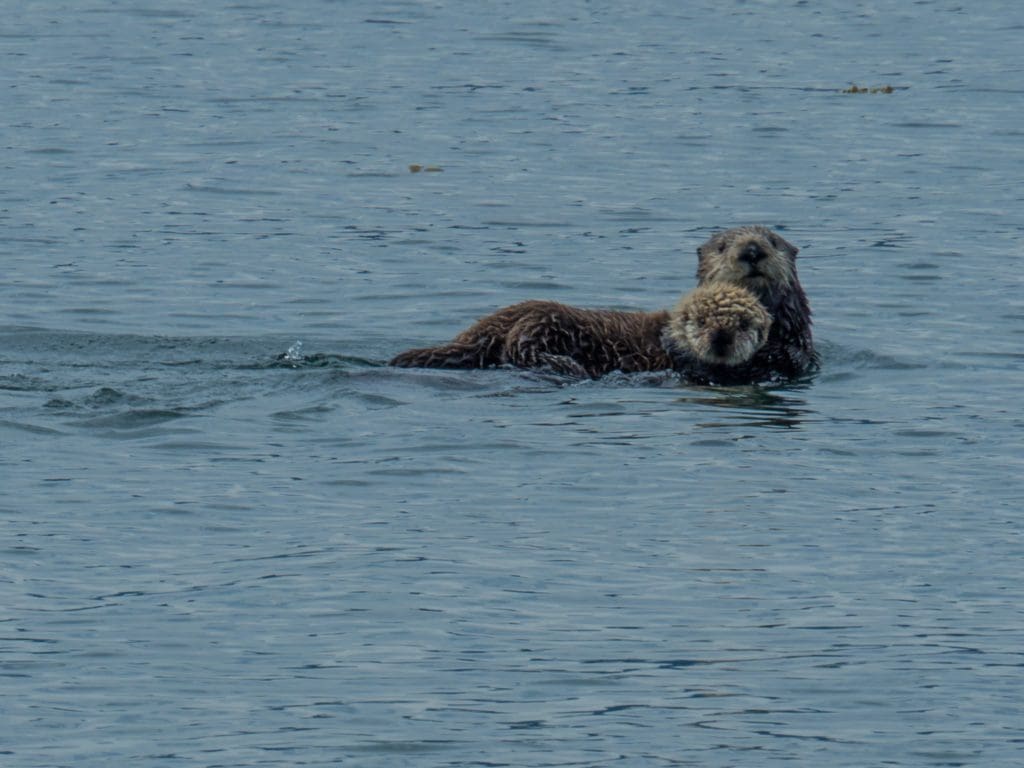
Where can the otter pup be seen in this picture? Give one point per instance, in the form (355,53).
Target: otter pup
(761,261)
(710,332)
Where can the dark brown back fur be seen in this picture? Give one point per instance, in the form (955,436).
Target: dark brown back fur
(546,334)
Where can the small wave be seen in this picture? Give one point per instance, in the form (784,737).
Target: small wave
(23,427)
(838,356)
(312,413)
(134,419)
(317,360)
(106,396)
(21,382)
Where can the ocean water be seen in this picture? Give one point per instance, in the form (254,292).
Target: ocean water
(230,535)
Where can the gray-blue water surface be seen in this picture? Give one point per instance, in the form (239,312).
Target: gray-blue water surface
(233,537)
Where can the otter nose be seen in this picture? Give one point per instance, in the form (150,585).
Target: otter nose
(752,253)
(721,342)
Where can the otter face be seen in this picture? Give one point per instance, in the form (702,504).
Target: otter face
(723,343)
(720,324)
(753,257)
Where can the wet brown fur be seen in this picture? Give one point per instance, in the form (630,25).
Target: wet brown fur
(711,328)
(764,263)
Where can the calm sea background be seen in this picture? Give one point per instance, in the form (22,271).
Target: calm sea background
(230,536)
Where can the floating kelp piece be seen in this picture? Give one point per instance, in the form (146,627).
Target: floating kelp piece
(854,88)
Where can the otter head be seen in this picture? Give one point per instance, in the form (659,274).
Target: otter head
(753,257)
(720,324)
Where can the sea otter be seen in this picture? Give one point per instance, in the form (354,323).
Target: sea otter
(710,334)
(761,261)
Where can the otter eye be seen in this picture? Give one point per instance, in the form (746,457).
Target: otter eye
(744,325)
(721,247)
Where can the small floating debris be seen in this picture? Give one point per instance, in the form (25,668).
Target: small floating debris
(416,168)
(854,88)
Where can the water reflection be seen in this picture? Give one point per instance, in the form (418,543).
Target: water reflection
(753,406)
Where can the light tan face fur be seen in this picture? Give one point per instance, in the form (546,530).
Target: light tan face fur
(753,257)
(720,324)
